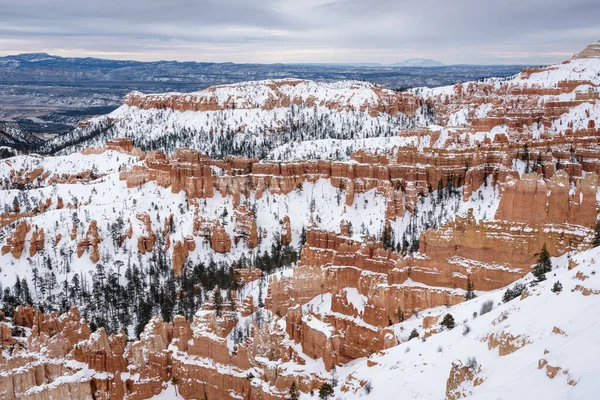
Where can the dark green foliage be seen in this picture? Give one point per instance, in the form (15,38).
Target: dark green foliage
(325,391)
(144,316)
(557,287)
(448,321)
(218,301)
(513,293)
(294,393)
(413,334)
(543,265)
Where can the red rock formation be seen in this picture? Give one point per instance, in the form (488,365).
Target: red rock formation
(534,200)
(24,315)
(180,253)
(492,253)
(146,242)
(213,231)
(16,242)
(461,379)
(37,242)
(246,227)
(286,231)
(92,239)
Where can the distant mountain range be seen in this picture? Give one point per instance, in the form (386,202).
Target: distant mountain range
(418,62)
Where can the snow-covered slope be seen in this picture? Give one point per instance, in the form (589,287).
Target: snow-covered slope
(251,118)
(540,345)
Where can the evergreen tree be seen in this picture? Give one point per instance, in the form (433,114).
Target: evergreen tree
(261,304)
(543,265)
(448,321)
(144,316)
(294,393)
(303,236)
(557,287)
(388,238)
(325,391)
(413,334)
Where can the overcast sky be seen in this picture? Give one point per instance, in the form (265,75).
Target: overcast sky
(267,31)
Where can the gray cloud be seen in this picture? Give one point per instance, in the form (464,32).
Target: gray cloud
(458,31)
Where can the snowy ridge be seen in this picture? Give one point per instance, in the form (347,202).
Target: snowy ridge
(256,94)
(251,118)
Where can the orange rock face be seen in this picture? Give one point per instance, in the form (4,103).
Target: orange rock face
(186,171)
(146,242)
(90,242)
(16,242)
(246,228)
(286,231)
(219,239)
(492,253)
(535,200)
(37,242)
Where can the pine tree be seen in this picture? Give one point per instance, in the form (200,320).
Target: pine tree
(303,236)
(557,288)
(413,334)
(388,238)
(261,304)
(448,321)
(294,393)
(325,391)
(543,265)
(400,315)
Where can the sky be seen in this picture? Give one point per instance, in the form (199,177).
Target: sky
(303,31)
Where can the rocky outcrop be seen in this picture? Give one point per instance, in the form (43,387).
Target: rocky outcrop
(246,227)
(186,171)
(16,241)
(506,342)
(91,241)
(492,253)
(461,379)
(534,200)
(36,243)
(286,231)
(214,232)
(146,242)
(181,251)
